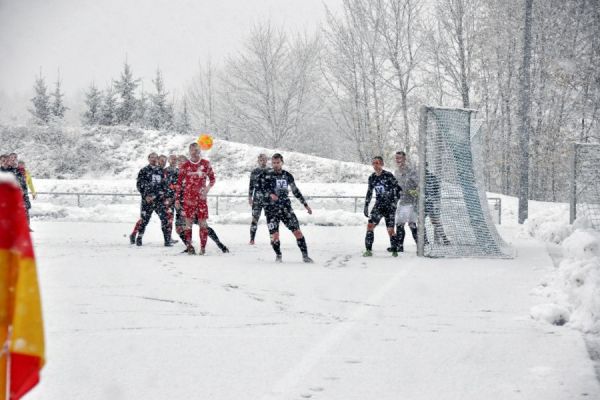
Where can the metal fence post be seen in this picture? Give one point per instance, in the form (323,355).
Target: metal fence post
(78,200)
(355,204)
(573,191)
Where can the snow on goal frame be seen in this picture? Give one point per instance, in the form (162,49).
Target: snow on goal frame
(453,208)
(585,184)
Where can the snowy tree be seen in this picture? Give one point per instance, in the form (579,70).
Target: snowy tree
(140,116)
(184,125)
(268,85)
(524,106)
(125,88)
(41,102)
(57,108)
(160,112)
(109,107)
(93,101)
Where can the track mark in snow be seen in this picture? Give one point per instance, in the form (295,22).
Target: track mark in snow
(335,335)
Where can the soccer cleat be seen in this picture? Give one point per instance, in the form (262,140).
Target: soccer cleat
(168,244)
(190,250)
(307,259)
(202,251)
(138,241)
(394,253)
(251,242)
(368,253)
(132,238)
(224,248)
(278,258)
(173,241)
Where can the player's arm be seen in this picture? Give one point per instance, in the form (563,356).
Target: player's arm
(252,186)
(211,178)
(368,197)
(298,194)
(179,186)
(141,184)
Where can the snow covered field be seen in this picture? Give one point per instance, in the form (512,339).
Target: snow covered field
(149,323)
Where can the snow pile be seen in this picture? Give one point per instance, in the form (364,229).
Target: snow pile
(573,290)
(548,222)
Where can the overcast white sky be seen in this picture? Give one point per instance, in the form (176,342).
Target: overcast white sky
(88,39)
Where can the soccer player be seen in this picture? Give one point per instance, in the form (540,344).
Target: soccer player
(192,181)
(406,209)
(387,192)
(277,182)
(180,219)
(11,164)
(151,185)
(257,196)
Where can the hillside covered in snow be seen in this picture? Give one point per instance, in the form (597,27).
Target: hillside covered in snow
(119,152)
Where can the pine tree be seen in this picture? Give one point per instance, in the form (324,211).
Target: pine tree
(140,115)
(125,88)
(41,102)
(109,108)
(184,125)
(161,111)
(93,100)
(58,107)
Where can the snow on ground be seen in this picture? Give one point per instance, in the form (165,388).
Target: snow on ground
(125,323)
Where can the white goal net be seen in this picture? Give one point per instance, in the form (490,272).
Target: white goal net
(453,208)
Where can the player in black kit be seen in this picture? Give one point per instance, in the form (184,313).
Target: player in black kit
(151,185)
(387,192)
(257,197)
(277,182)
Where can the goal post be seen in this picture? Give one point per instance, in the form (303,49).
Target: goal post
(453,214)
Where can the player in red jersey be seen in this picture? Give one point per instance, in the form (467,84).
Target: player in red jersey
(192,180)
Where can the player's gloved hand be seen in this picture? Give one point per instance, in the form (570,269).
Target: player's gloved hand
(413,192)
(308,209)
(366,211)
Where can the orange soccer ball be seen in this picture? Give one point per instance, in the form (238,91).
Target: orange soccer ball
(205,141)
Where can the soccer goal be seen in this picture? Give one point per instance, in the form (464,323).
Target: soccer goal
(585,184)
(454,218)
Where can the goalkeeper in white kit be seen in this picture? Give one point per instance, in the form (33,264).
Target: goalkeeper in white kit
(406,209)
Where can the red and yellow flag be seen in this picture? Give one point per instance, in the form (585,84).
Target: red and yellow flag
(21,328)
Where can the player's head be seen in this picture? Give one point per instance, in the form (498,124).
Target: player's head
(277,161)
(181,159)
(172,160)
(12,160)
(162,161)
(400,158)
(3,159)
(377,163)
(262,160)
(194,150)
(152,158)
(21,164)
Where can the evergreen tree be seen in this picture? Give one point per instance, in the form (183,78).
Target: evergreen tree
(41,102)
(93,100)
(125,88)
(161,111)
(58,107)
(140,115)
(109,108)
(184,125)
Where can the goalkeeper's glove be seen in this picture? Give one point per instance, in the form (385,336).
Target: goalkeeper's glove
(413,192)
(366,211)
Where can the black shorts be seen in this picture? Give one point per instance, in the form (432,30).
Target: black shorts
(275,214)
(382,211)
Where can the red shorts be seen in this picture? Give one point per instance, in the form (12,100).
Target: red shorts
(195,209)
